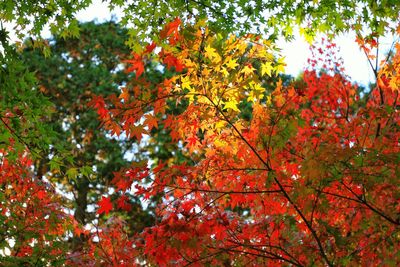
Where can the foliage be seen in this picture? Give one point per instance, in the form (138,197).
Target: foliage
(33,223)
(77,69)
(59,13)
(247,169)
(22,110)
(278,17)
(310,179)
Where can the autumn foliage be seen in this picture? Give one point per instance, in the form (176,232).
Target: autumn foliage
(309,178)
(274,172)
(32,216)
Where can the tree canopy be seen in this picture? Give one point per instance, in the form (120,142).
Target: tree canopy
(146,18)
(309,179)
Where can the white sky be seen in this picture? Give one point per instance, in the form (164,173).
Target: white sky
(295,52)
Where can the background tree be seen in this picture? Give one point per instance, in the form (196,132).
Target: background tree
(77,69)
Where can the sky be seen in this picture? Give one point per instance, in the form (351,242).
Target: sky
(295,52)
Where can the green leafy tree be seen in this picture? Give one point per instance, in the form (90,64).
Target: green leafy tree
(77,69)
(147,17)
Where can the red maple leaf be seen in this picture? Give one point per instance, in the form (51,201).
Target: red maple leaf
(171,28)
(150,47)
(105,205)
(41,194)
(123,203)
(98,103)
(192,141)
(172,61)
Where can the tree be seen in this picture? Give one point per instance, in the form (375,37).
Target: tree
(278,17)
(310,179)
(78,69)
(275,18)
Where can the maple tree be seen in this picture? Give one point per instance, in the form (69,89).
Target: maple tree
(310,179)
(34,225)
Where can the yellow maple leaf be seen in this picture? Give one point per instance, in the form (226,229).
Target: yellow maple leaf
(232,104)
(280,65)
(248,69)
(241,46)
(256,86)
(269,100)
(224,72)
(212,54)
(189,63)
(231,64)
(220,125)
(209,51)
(185,83)
(251,97)
(266,68)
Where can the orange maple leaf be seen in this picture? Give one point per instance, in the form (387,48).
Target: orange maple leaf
(137,131)
(151,121)
(137,64)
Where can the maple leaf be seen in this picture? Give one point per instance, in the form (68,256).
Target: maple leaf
(231,105)
(105,205)
(232,64)
(186,82)
(41,194)
(121,181)
(125,94)
(123,203)
(173,25)
(248,69)
(98,103)
(266,68)
(151,121)
(212,54)
(192,141)
(280,65)
(150,47)
(136,64)
(172,61)
(137,131)
(171,28)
